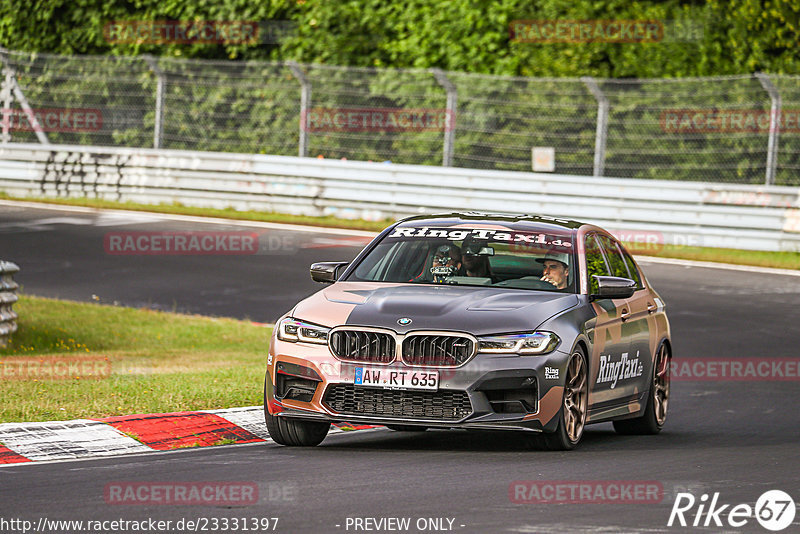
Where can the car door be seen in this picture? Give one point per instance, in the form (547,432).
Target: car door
(632,367)
(606,334)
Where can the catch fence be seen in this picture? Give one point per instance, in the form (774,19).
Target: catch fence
(730,129)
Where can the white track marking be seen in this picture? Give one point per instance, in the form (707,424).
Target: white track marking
(197,219)
(59,440)
(250,418)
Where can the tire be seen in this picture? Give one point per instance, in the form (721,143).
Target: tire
(655,412)
(572,415)
(294,432)
(407,428)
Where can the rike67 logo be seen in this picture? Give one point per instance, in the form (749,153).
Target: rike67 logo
(774,510)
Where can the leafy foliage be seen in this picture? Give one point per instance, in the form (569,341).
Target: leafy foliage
(728,37)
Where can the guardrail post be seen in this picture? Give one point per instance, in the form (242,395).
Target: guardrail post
(774,125)
(305,102)
(20,96)
(602,125)
(8,317)
(161,82)
(450,119)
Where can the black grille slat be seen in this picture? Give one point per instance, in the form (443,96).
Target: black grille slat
(347,399)
(437,350)
(431,350)
(360,346)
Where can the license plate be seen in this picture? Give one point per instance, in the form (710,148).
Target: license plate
(396,378)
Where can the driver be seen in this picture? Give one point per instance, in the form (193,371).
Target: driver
(556,269)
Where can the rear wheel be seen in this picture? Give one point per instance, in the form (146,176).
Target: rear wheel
(572,416)
(655,413)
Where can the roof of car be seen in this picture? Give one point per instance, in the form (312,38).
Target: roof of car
(535,220)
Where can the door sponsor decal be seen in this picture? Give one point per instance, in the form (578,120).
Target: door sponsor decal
(625,368)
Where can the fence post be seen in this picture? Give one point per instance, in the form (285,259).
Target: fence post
(774,125)
(602,125)
(160,85)
(6,97)
(450,119)
(23,101)
(305,102)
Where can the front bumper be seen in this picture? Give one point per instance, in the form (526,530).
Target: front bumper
(491,391)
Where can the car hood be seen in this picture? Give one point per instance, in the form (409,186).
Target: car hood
(477,310)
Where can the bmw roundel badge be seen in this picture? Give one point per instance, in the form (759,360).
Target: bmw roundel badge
(404,321)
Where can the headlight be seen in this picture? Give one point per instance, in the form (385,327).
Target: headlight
(291,329)
(528,343)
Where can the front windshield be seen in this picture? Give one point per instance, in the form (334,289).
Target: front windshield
(490,255)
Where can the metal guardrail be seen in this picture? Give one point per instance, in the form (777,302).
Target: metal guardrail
(8,296)
(682,213)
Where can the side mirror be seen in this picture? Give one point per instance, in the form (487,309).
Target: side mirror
(326,271)
(613,287)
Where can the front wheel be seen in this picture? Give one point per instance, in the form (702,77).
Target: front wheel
(296,432)
(572,416)
(655,413)
(293,432)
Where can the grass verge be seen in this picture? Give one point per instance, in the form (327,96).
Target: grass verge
(755,258)
(141,361)
(780,260)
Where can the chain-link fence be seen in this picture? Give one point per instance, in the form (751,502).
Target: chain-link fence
(732,129)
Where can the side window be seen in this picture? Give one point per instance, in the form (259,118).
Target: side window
(635,276)
(614,256)
(595,264)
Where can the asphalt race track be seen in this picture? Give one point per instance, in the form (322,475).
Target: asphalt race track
(738,438)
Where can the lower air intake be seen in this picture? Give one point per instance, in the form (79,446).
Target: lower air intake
(347,399)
